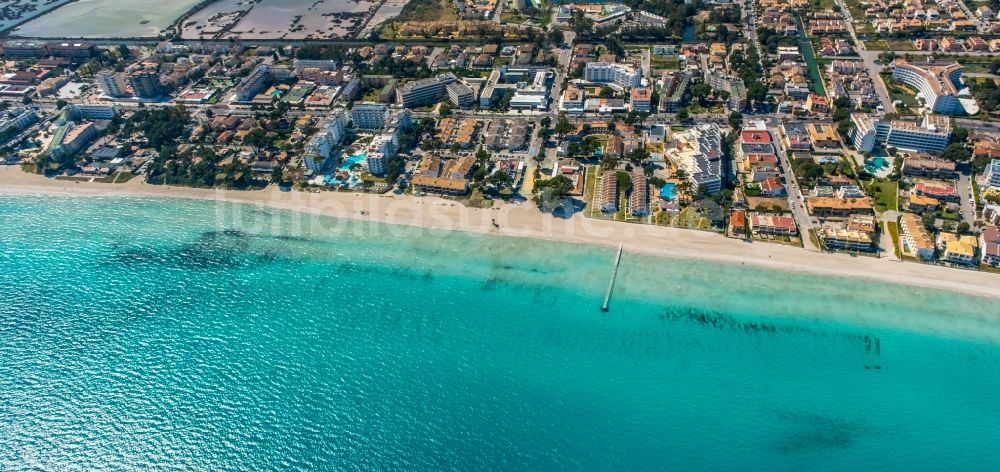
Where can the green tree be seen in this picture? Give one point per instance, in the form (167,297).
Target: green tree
(563,126)
(736,120)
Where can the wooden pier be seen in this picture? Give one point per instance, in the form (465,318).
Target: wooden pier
(614,275)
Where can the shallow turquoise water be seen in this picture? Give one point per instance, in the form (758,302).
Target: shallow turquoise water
(163,334)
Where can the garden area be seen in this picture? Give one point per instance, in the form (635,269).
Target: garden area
(884,193)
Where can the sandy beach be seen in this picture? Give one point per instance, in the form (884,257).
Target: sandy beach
(526,221)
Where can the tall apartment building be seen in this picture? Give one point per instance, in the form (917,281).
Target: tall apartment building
(461,95)
(337,126)
(253,84)
(145,84)
(24,48)
(699,154)
(624,75)
(316,154)
(379,151)
(112,84)
(642,99)
(370,115)
(992,174)
(930,135)
(70,138)
(424,91)
(16,119)
(734,85)
(76,50)
(939,82)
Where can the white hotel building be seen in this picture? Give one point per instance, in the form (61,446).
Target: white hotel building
(623,75)
(939,83)
(930,135)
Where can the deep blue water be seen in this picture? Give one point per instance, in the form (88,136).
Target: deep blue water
(172,334)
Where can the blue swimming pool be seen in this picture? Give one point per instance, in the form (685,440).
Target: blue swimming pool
(350,161)
(667,191)
(875,164)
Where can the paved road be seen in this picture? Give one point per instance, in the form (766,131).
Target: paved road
(969,15)
(964,189)
(796,201)
(886,245)
(869,58)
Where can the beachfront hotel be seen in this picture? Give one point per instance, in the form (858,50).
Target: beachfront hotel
(939,83)
(17,119)
(698,153)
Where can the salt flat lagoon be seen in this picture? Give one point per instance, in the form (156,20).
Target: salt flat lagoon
(287,19)
(145,334)
(107,19)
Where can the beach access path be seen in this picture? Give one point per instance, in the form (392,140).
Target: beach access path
(527,221)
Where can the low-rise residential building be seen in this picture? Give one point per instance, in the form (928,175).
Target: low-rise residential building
(990,244)
(449,177)
(929,167)
(921,203)
(838,207)
(857,234)
(823,136)
(639,199)
(938,190)
(773,225)
(961,251)
(607,192)
(915,238)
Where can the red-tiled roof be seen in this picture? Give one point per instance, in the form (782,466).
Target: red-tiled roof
(756,137)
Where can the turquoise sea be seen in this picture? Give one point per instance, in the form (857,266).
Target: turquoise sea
(140,334)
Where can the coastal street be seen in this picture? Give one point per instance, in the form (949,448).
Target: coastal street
(964,189)
(886,246)
(796,201)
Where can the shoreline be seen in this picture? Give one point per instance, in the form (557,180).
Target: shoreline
(526,221)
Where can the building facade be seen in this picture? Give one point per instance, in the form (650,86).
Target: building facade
(623,75)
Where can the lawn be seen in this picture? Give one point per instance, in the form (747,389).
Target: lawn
(900,45)
(668,61)
(590,183)
(857,10)
(892,228)
(885,194)
(427,10)
(876,45)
